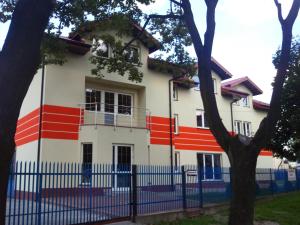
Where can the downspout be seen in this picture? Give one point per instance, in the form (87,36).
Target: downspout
(41,113)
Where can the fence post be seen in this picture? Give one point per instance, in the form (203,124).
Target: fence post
(200,187)
(134,193)
(183,181)
(271,180)
(39,192)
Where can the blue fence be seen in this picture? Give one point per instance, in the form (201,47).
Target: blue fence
(54,193)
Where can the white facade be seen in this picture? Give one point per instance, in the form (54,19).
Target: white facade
(137,133)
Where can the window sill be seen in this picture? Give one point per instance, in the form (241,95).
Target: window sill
(206,128)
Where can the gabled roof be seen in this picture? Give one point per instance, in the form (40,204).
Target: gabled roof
(243,81)
(227,91)
(146,38)
(220,70)
(76,45)
(261,105)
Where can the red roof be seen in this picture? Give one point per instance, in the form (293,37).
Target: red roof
(260,105)
(246,82)
(232,92)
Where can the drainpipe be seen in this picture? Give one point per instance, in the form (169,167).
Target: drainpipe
(170,125)
(41,113)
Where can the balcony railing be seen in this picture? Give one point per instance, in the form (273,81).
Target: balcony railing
(114,115)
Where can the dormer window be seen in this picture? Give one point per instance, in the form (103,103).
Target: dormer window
(132,54)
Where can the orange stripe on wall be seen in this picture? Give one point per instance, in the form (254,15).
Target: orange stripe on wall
(30,138)
(159,141)
(27,132)
(196,136)
(161,120)
(196,142)
(155,134)
(194,130)
(61,118)
(266,153)
(26,125)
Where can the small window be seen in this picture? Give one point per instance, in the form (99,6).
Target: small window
(132,54)
(215,85)
(175,92)
(245,102)
(201,119)
(177,161)
(176,125)
(109,102)
(124,104)
(209,166)
(87,160)
(92,100)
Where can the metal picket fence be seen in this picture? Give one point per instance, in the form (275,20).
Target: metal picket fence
(62,194)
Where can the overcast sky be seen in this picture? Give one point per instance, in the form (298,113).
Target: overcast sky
(247,35)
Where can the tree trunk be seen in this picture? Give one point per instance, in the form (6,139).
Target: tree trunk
(243,181)
(19,61)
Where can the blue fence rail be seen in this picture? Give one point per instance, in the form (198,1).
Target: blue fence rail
(61,194)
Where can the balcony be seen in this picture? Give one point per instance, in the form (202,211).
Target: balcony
(114,115)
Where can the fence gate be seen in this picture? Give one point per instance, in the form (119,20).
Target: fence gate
(61,194)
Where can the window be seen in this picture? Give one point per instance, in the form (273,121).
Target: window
(238,127)
(176,125)
(209,166)
(201,119)
(132,55)
(215,85)
(100,48)
(122,161)
(109,102)
(242,127)
(124,104)
(87,159)
(247,128)
(245,102)
(92,100)
(177,161)
(175,92)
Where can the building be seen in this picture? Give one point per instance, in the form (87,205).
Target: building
(112,120)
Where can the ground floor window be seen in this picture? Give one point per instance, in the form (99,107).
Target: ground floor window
(209,166)
(177,161)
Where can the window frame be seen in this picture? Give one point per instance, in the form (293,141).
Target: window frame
(176,123)
(215,86)
(203,177)
(177,161)
(201,112)
(109,54)
(175,92)
(138,54)
(247,104)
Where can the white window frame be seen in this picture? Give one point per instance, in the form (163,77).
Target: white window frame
(176,124)
(139,54)
(201,112)
(247,128)
(116,105)
(245,102)
(213,165)
(109,54)
(215,86)
(175,92)
(238,124)
(177,161)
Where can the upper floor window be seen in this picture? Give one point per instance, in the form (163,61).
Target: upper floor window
(175,92)
(245,102)
(215,85)
(100,48)
(109,102)
(92,100)
(201,119)
(242,127)
(124,104)
(132,54)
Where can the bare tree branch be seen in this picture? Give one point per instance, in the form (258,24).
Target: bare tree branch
(279,10)
(266,128)
(211,24)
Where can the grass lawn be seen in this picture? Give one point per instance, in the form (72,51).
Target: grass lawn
(284,210)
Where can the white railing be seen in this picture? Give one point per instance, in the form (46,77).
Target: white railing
(114,115)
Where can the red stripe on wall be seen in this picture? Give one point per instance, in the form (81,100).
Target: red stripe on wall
(196,136)
(196,142)
(26,125)
(59,135)
(198,148)
(194,130)
(27,132)
(28,117)
(25,140)
(155,134)
(61,118)
(159,141)
(161,120)
(60,127)
(266,153)
(61,110)
(155,127)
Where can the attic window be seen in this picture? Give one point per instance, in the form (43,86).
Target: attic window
(100,48)
(132,54)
